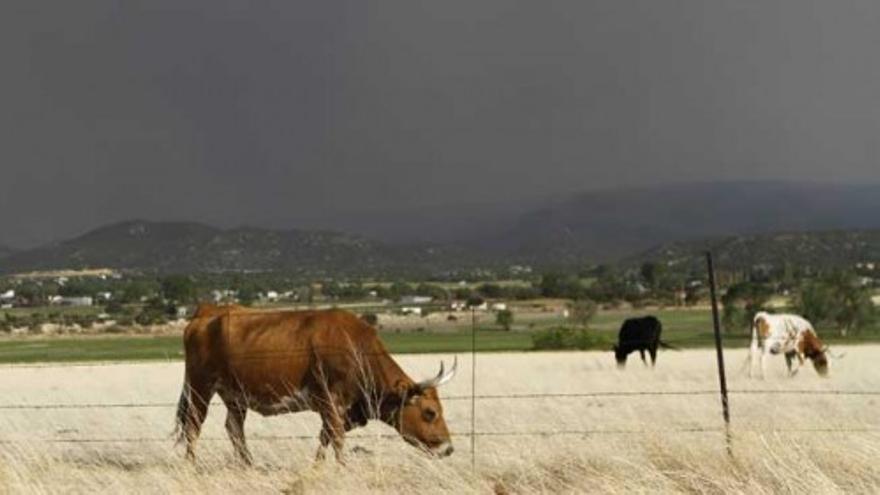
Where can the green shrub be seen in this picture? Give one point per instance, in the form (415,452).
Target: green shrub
(569,338)
(114,307)
(504,318)
(151,317)
(125,321)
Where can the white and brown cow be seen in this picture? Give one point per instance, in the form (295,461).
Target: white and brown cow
(787,334)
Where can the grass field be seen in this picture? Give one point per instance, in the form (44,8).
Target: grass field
(141,348)
(603,444)
(682,328)
(46,310)
(686,328)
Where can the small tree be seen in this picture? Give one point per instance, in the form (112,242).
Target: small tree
(816,302)
(178,289)
(504,318)
(856,310)
(134,291)
(837,299)
(652,273)
(474,301)
(741,302)
(582,311)
(490,291)
(155,312)
(114,307)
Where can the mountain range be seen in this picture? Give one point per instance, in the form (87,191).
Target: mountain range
(752,221)
(194,247)
(828,248)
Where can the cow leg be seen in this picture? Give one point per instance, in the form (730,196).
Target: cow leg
(750,360)
(200,394)
(788,359)
(764,356)
(642,354)
(236,412)
(753,350)
(332,424)
(653,352)
(332,431)
(800,361)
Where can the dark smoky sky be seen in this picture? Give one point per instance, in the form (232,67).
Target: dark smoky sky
(292,113)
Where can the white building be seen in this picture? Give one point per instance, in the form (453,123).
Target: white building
(411,310)
(416,299)
(73,301)
(222,295)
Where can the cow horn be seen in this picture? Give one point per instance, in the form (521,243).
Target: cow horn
(442,377)
(827,350)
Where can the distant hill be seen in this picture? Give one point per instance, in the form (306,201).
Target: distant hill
(194,247)
(798,249)
(609,225)
(593,227)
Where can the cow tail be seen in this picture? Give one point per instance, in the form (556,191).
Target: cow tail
(183,408)
(667,346)
(753,346)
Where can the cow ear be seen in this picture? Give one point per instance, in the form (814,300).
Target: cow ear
(400,388)
(414,391)
(406,391)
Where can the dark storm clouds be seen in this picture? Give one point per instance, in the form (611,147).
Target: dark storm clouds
(286,113)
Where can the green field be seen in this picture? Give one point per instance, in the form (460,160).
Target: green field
(681,328)
(134,348)
(47,310)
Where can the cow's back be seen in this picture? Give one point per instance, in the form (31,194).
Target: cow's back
(272,354)
(640,331)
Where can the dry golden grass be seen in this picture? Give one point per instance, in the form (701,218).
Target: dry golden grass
(767,456)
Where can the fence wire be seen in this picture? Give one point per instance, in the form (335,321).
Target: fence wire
(484,397)
(501,434)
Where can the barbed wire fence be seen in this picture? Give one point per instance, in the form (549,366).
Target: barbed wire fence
(724,428)
(475,434)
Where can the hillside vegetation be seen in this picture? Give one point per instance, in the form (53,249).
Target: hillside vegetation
(829,249)
(745,223)
(193,248)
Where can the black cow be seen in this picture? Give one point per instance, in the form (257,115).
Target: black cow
(639,334)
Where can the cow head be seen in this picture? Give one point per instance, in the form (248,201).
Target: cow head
(420,416)
(620,356)
(813,349)
(819,359)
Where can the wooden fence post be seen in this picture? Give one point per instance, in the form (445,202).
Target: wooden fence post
(473,388)
(719,352)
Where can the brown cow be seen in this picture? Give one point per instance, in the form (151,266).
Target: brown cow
(330,362)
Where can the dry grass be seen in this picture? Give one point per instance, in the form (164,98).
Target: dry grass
(767,459)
